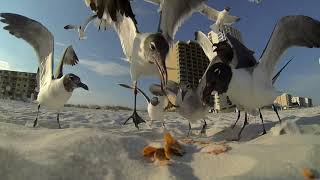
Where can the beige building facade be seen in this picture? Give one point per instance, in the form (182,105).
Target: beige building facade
(17,85)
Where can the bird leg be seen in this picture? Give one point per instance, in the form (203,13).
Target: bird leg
(276,110)
(264,130)
(135,117)
(236,120)
(58,121)
(244,125)
(189,130)
(204,127)
(35,122)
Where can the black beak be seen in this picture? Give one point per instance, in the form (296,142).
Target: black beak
(82,85)
(161,65)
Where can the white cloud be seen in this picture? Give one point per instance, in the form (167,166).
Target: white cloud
(255,1)
(105,69)
(4,65)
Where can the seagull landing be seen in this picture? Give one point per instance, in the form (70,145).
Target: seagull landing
(220,17)
(54,91)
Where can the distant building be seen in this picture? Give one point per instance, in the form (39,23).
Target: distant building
(221,36)
(186,63)
(288,101)
(17,85)
(284,100)
(222,102)
(308,102)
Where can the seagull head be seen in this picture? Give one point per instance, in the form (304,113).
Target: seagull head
(227,9)
(156,49)
(217,79)
(184,89)
(154,101)
(224,51)
(71,82)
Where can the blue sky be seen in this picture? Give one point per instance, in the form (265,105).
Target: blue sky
(101,66)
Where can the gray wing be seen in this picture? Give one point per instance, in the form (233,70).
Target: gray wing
(243,56)
(210,12)
(143,93)
(174,13)
(229,20)
(119,15)
(171,88)
(205,44)
(290,31)
(69,57)
(38,36)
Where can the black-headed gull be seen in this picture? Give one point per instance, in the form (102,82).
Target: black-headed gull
(54,91)
(252,88)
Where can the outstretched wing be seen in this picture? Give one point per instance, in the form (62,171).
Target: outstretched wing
(143,93)
(205,44)
(38,36)
(69,57)
(174,13)
(210,12)
(229,20)
(119,15)
(290,31)
(171,88)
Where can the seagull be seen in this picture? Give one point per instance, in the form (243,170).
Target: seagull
(259,110)
(82,28)
(189,102)
(146,52)
(252,88)
(155,105)
(54,91)
(220,17)
(226,50)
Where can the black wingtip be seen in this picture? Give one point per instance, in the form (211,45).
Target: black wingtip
(125,86)
(67,27)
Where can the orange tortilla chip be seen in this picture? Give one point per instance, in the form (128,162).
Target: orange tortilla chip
(149,151)
(308,174)
(171,146)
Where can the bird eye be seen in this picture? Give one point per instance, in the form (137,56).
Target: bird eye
(152,46)
(217,71)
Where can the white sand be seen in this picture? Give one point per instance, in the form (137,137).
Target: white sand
(93,145)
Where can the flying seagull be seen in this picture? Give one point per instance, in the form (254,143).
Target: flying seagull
(146,52)
(255,83)
(81,28)
(54,91)
(220,17)
(155,105)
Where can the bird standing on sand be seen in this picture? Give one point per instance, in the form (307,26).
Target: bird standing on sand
(54,91)
(155,105)
(252,88)
(231,53)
